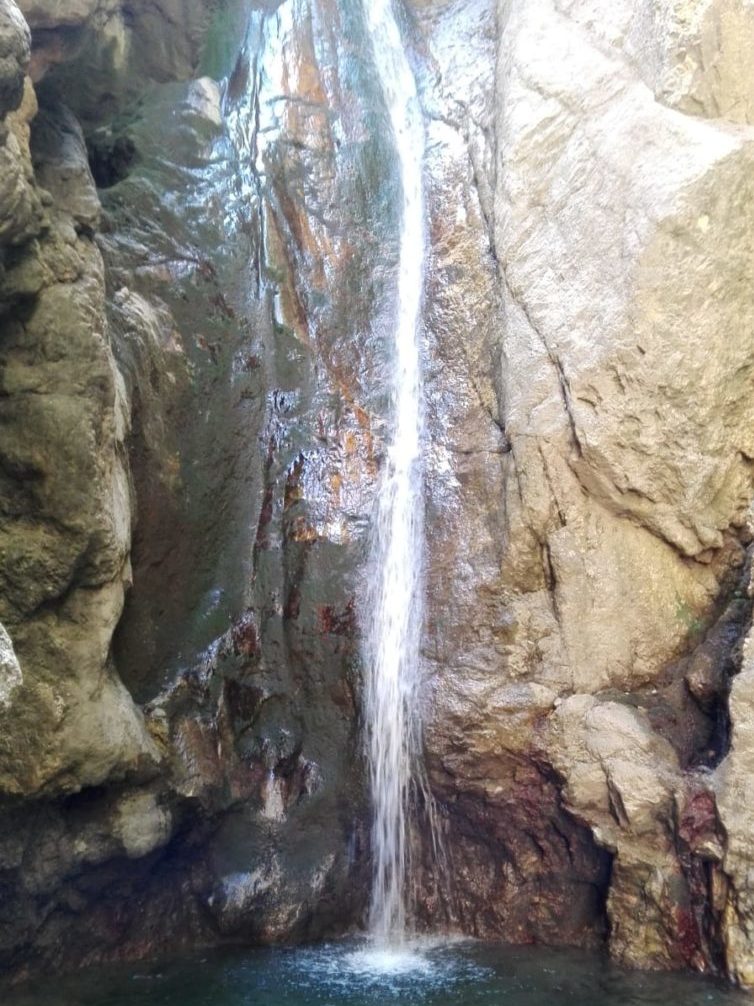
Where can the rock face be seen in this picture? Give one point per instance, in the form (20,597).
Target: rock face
(198,240)
(621,230)
(102,54)
(65,530)
(732,783)
(165,427)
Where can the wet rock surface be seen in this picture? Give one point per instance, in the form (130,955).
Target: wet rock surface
(233,457)
(193,408)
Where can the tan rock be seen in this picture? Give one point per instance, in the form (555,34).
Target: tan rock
(693,54)
(71,723)
(63,167)
(20,208)
(15,51)
(623,234)
(621,778)
(66,526)
(141,824)
(619,773)
(625,348)
(733,783)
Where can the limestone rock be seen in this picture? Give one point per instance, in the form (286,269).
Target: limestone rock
(614,382)
(221,376)
(693,54)
(20,209)
(243,757)
(65,529)
(622,232)
(733,782)
(63,166)
(15,52)
(622,778)
(141,824)
(103,55)
(10,671)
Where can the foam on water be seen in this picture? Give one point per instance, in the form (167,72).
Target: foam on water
(421,958)
(383,960)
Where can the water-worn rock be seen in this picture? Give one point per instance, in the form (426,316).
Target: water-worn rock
(259,411)
(520,864)
(67,723)
(692,54)
(10,670)
(622,779)
(15,52)
(615,402)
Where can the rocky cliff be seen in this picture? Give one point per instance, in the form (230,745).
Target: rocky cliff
(193,775)
(591,687)
(198,237)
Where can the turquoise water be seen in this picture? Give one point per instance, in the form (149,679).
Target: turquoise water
(461,974)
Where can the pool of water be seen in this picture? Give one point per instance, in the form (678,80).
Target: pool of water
(348,974)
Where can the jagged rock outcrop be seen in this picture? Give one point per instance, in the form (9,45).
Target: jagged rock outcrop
(66,531)
(66,523)
(691,55)
(67,722)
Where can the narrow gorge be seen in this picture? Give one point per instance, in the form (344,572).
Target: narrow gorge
(376,481)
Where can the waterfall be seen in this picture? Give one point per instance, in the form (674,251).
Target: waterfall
(394,611)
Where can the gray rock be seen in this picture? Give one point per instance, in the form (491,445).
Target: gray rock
(15,52)
(20,211)
(10,670)
(733,781)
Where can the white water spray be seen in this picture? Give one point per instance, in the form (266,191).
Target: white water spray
(395,608)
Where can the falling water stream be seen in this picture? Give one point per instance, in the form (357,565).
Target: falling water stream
(395,608)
